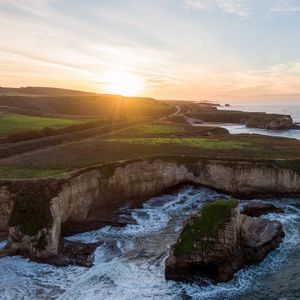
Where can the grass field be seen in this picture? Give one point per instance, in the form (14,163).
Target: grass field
(17,123)
(112,106)
(66,157)
(28,173)
(139,141)
(188,141)
(160,129)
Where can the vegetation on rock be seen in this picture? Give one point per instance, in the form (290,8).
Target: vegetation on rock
(31,209)
(265,121)
(205,226)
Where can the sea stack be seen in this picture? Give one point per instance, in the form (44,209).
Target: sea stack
(220,241)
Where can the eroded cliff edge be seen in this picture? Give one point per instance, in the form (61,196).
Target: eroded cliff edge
(36,212)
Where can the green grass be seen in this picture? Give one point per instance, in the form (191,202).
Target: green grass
(213,216)
(189,141)
(17,123)
(29,173)
(160,129)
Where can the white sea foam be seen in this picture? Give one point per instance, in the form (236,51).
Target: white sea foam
(130,263)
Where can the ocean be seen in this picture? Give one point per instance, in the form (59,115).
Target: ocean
(130,263)
(286,107)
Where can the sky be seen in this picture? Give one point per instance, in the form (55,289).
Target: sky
(167,49)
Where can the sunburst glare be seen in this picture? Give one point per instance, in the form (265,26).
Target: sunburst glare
(123,83)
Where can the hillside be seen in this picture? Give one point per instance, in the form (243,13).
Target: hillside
(84,105)
(41,91)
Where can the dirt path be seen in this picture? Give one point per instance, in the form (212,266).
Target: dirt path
(19,153)
(10,159)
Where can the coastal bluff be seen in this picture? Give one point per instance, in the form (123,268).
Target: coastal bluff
(37,213)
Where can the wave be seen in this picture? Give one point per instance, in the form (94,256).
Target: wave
(130,262)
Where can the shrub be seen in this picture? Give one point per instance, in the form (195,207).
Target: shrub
(48,131)
(24,135)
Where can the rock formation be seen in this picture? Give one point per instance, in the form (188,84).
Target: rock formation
(209,113)
(258,209)
(72,253)
(271,122)
(36,212)
(220,241)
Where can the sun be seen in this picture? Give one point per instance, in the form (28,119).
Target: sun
(123,83)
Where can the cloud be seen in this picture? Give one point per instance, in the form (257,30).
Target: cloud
(23,3)
(236,7)
(247,8)
(285,8)
(31,6)
(277,79)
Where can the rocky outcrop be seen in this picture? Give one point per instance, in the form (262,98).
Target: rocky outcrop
(72,253)
(250,119)
(37,212)
(219,242)
(258,209)
(271,122)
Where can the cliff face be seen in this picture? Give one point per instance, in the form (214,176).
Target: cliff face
(238,241)
(93,195)
(246,179)
(250,119)
(5,208)
(277,122)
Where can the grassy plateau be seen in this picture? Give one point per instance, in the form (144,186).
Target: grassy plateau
(17,123)
(135,128)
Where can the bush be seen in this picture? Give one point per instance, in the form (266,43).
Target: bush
(48,131)
(24,136)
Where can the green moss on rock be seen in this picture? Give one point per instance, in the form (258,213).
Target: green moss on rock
(213,216)
(31,210)
(293,165)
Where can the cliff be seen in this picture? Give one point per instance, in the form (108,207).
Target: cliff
(37,212)
(219,242)
(271,122)
(250,119)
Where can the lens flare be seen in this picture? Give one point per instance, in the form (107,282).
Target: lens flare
(123,83)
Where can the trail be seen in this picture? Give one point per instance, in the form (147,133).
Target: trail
(10,158)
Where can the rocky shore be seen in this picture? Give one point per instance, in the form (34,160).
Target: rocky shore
(262,120)
(258,209)
(37,213)
(220,241)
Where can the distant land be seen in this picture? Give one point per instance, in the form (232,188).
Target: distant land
(41,91)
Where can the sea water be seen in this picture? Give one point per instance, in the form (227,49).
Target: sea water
(130,263)
(281,107)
